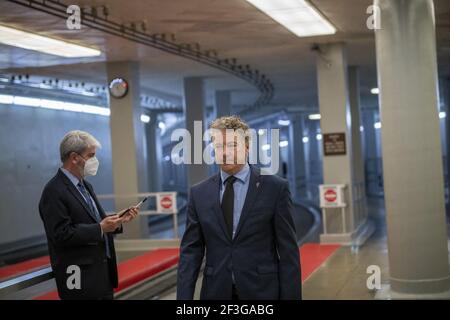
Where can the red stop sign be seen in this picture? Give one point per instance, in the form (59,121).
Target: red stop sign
(166,202)
(330,195)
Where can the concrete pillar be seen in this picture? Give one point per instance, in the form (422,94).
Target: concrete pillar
(336,117)
(222,103)
(194,107)
(359,186)
(127,144)
(446,98)
(297,159)
(154,154)
(411,147)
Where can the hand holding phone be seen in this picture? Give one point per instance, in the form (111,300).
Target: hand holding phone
(138,205)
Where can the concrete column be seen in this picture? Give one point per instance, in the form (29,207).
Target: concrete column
(336,117)
(154,154)
(297,159)
(446,98)
(359,186)
(222,103)
(411,147)
(194,107)
(127,144)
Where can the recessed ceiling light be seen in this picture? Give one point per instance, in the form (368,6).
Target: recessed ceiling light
(32,41)
(298,16)
(284,143)
(284,122)
(315,116)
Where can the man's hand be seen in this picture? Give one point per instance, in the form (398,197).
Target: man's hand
(131,214)
(111,223)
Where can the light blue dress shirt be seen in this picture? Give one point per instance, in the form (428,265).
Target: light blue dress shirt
(75,182)
(240,187)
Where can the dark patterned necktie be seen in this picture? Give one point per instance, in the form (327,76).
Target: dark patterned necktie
(228,203)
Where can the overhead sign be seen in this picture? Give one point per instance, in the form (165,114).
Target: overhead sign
(334,144)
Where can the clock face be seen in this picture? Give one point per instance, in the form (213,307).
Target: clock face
(118,88)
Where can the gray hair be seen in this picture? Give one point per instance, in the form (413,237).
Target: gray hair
(76,141)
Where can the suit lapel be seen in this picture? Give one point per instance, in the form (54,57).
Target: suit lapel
(215,188)
(76,193)
(252,192)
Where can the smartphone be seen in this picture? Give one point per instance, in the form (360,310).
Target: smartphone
(121,213)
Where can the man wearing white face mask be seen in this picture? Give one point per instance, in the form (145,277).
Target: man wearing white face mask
(78,231)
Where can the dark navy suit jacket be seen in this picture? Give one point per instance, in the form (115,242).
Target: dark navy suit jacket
(75,238)
(263,256)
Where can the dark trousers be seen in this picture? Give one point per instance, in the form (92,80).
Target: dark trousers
(108,296)
(234,294)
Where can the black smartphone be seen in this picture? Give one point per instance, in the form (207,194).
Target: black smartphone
(123,212)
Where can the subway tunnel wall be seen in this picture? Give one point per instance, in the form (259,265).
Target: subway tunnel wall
(30,157)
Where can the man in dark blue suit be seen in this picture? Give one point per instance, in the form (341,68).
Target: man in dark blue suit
(79,232)
(243,221)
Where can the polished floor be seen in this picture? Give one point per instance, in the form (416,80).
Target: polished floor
(344,275)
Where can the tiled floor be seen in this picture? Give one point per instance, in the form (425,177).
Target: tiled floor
(344,275)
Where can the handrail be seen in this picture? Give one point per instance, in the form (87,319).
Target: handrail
(25,281)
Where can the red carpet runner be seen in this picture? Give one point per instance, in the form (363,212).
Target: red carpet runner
(23,267)
(132,271)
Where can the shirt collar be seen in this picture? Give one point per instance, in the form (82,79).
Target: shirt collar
(71,177)
(242,175)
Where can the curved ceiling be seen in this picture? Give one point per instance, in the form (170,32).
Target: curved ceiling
(234,28)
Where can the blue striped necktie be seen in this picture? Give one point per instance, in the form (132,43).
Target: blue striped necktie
(90,204)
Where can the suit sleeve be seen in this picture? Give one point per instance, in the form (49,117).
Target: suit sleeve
(59,226)
(191,254)
(288,251)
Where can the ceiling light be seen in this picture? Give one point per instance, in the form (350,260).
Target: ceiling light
(284,122)
(162,125)
(62,105)
(298,16)
(29,102)
(32,41)
(145,118)
(6,99)
(314,116)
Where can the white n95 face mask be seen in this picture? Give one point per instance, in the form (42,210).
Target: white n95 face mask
(91,167)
